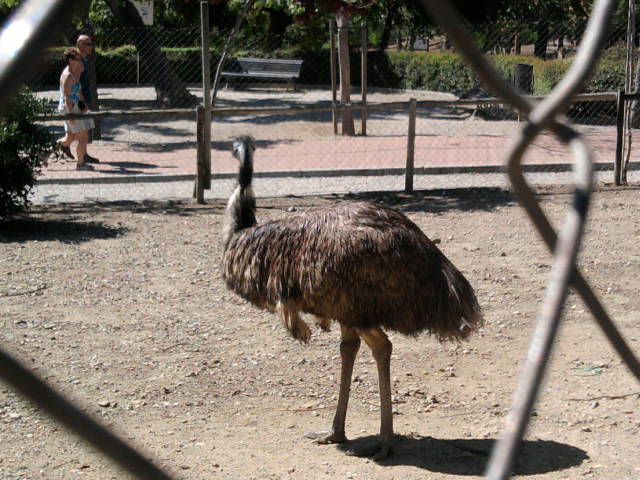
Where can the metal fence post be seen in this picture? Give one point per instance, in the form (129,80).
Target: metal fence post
(617,165)
(411,140)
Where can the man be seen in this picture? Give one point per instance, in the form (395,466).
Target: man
(85,45)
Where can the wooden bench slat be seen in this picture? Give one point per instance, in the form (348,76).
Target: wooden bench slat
(268,68)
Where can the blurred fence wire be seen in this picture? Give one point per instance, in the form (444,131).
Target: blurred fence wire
(471,133)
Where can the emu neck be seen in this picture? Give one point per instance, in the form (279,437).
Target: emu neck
(240,213)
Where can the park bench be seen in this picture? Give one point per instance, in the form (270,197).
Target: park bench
(263,69)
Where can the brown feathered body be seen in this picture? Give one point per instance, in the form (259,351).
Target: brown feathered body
(362,264)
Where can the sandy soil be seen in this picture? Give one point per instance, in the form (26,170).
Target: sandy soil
(122,308)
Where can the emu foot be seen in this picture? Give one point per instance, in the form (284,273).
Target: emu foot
(326,436)
(376,450)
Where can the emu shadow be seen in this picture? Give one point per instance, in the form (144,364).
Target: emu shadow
(65,231)
(225,146)
(469,457)
(134,168)
(441,200)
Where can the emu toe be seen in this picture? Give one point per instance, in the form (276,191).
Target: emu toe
(326,437)
(385,450)
(377,450)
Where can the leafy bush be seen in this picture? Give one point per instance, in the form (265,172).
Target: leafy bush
(23,146)
(548,75)
(437,71)
(440,71)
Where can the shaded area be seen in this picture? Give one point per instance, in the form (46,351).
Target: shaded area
(441,200)
(154,207)
(434,201)
(63,230)
(161,147)
(469,457)
(438,113)
(132,168)
(225,145)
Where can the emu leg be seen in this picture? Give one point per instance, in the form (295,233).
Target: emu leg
(381,347)
(349,346)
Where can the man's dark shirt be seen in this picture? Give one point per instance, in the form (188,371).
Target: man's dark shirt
(85,82)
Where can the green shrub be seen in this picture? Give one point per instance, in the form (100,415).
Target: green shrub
(437,71)
(23,146)
(548,75)
(440,71)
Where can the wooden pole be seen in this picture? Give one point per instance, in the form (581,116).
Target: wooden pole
(206,92)
(200,148)
(332,61)
(343,20)
(411,141)
(363,80)
(617,166)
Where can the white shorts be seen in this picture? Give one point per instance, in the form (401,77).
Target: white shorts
(79,124)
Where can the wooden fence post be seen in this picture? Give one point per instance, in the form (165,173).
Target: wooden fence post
(617,165)
(200,157)
(411,140)
(332,63)
(363,76)
(206,93)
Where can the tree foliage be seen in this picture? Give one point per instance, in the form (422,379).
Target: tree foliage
(23,146)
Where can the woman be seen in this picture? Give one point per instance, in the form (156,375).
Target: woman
(72,101)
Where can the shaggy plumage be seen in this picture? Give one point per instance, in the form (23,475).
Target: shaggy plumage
(361,264)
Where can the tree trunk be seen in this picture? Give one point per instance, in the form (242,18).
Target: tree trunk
(632,82)
(413,36)
(540,47)
(153,61)
(279,20)
(388,25)
(444,43)
(635,105)
(342,20)
(517,46)
(560,53)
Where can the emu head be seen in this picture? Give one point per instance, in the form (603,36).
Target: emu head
(243,148)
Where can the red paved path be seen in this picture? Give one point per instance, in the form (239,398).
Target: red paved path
(334,153)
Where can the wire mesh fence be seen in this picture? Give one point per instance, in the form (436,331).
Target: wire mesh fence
(386,135)
(138,69)
(454,146)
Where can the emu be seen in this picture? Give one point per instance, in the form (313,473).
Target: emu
(361,264)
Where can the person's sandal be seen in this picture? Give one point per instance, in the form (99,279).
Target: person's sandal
(66,150)
(89,159)
(85,167)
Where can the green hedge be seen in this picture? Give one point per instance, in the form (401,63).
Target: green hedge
(438,71)
(119,66)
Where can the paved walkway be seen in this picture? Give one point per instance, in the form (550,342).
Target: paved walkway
(298,154)
(318,156)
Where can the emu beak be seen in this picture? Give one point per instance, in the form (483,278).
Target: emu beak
(235,149)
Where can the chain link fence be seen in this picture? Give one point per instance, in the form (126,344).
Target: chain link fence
(382,137)
(456,145)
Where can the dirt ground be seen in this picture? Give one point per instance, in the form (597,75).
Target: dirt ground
(121,307)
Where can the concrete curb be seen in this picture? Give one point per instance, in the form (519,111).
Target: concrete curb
(374,172)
